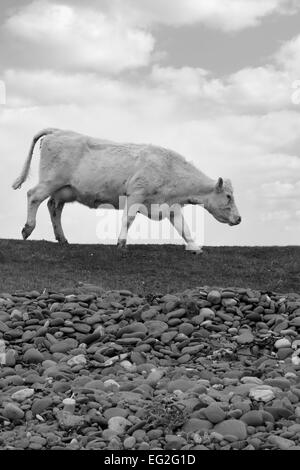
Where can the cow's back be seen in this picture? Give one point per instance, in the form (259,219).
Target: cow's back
(101,170)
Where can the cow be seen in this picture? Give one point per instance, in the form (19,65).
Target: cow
(94,172)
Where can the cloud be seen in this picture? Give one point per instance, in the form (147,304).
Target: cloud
(242,125)
(227,15)
(76,37)
(250,90)
(288,57)
(279,189)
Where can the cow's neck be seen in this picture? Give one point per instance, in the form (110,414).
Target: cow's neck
(200,188)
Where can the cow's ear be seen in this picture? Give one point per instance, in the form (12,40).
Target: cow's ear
(219,185)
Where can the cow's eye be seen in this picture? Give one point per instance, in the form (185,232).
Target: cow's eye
(229,198)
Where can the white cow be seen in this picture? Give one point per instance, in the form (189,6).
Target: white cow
(75,167)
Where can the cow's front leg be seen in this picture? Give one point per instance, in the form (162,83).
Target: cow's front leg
(127,221)
(177,220)
(130,210)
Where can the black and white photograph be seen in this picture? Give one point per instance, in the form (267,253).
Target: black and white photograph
(150,228)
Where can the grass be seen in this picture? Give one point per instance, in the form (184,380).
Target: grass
(146,269)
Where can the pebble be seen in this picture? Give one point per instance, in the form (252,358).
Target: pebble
(118,425)
(183,384)
(253,418)
(22,394)
(214,413)
(13,412)
(204,369)
(40,405)
(195,425)
(281,442)
(214,297)
(80,359)
(129,442)
(262,394)
(245,338)
(233,427)
(33,356)
(186,329)
(282,343)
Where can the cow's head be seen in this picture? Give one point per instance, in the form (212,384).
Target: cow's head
(220,203)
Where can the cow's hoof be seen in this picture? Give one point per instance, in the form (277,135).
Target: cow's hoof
(63,242)
(122,248)
(194,249)
(27,230)
(122,245)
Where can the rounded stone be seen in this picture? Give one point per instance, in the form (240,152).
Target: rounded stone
(282,343)
(214,414)
(156,328)
(129,442)
(41,404)
(112,412)
(196,425)
(33,356)
(64,345)
(233,427)
(183,384)
(253,418)
(118,425)
(214,297)
(261,393)
(186,328)
(13,412)
(245,338)
(284,353)
(22,394)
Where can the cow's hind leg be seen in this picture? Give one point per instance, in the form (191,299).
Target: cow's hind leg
(55,208)
(35,197)
(177,220)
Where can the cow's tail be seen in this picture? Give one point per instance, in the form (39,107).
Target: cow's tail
(18,183)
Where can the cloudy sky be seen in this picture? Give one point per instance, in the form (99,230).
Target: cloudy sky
(218,81)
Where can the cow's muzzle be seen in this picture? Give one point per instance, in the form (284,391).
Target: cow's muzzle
(237,221)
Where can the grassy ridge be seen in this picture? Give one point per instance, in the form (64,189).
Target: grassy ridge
(146,269)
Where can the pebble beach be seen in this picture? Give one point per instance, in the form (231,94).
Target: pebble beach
(203,369)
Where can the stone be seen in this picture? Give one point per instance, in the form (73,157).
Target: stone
(262,394)
(13,412)
(174,442)
(196,425)
(116,411)
(80,359)
(284,353)
(129,442)
(214,413)
(186,329)
(128,366)
(183,384)
(281,442)
(254,380)
(214,297)
(245,338)
(22,394)
(156,328)
(282,343)
(68,420)
(233,427)
(279,382)
(118,425)
(40,405)
(64,345)
(253,418)
(33,356)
